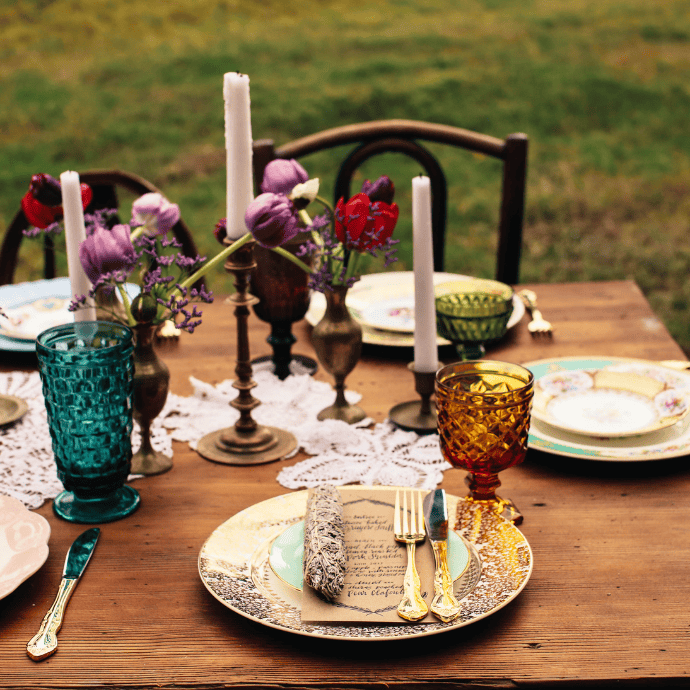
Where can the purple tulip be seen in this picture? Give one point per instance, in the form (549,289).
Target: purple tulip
(271,218)
(280,176)
(107,250)
(155,213)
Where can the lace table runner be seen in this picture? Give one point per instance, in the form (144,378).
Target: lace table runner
(341,454)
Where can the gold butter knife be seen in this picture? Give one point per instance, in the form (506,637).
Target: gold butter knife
(444,605)
(44,642)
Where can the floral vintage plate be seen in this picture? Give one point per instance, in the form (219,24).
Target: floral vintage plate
(234,567)
(609,401)
(33,307)
(287,551)
(23,543)
(670,442)
(384,304)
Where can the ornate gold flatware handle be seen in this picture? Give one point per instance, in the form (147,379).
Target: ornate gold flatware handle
(444,605)
(412,607)
(44,642)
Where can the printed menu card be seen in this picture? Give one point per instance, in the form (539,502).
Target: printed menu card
(376,565)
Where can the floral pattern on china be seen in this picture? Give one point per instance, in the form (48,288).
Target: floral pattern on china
(623,399)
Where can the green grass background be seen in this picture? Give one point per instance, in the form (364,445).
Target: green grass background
(601,87)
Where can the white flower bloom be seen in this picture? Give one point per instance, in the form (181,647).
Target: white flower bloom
(306,190)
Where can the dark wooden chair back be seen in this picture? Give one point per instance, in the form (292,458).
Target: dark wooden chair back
(373,138)
(104,184)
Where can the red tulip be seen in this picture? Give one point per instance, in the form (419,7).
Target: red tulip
(363,225)
(43,213)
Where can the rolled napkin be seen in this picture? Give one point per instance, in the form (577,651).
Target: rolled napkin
(324,542)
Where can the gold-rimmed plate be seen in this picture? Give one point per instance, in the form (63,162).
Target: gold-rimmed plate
(671,442)
(234,567)
(383,303)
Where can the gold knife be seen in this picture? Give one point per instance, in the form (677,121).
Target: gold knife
(444,605)
(44,642)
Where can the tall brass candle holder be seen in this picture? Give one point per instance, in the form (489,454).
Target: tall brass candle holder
(417,415)
(245,443)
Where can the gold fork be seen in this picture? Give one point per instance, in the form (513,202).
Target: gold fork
(411,607)
(538,325)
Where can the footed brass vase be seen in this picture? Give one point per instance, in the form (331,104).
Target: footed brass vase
(151,384)
(337,339)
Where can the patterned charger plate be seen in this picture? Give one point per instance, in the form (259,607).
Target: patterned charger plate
(234,567)
(671,442)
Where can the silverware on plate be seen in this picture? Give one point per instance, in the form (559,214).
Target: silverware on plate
(44,642)
(409,529)
(444,605)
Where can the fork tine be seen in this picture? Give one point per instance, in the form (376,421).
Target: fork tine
(396,515)
(413,519)
(420,513)
(405,528)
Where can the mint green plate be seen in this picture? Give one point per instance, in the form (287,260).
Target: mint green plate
(287,550)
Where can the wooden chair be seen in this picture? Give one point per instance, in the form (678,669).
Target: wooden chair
(373,138)
(104,184)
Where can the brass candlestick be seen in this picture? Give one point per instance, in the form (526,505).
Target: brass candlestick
(417,415)
(246,443)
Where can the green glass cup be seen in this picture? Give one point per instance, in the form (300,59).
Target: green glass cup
(470,320)
(87,373)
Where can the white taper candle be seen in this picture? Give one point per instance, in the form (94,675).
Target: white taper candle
(425,348)
(238,147)
(75,234)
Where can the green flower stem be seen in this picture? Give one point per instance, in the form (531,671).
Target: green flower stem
(131,321)
(215,261)
(293,258)
(136,233)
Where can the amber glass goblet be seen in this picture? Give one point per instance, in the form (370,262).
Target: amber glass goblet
(483,421)
(283,292)
(472,319)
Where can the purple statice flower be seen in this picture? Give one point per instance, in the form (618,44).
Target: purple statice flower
(272,220)
(77,303)
(185,319)
(382,189)
(170,242)
(189,263)
(155,278)
(102,217)
(107,250)
(281,176)
(52,229)
(155,213)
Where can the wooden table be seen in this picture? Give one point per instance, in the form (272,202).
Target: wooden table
(607,601)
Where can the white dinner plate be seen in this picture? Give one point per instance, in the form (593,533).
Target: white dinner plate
(234,567)
(671,442)
(23,543)
(33,307)
(383,303)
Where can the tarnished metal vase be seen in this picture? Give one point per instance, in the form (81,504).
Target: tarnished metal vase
(337,339)
(151,384)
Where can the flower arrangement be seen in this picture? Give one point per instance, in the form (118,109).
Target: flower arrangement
(140,251)
(114,254)
(341,236)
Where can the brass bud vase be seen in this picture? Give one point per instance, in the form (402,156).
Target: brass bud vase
(151,384)
(337,339)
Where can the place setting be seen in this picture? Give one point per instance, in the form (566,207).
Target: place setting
(610,409)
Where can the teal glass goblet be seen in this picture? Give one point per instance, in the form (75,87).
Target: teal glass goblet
(87,373)
(470,320)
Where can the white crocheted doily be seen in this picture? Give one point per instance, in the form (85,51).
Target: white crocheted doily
(341,454)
